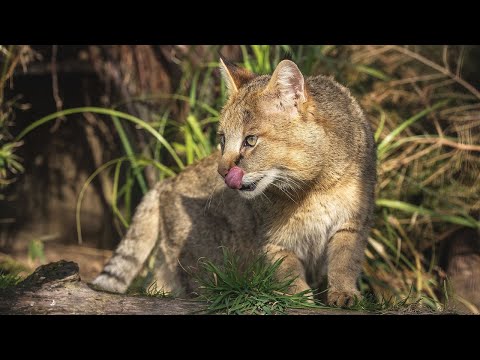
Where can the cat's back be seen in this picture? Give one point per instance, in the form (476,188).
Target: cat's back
(197,202)
(334,99)
(341,115)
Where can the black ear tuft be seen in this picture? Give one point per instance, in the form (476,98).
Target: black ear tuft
(235,77)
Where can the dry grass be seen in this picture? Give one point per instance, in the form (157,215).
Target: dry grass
(433,164)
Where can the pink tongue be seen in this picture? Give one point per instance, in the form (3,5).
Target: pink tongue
(234,178)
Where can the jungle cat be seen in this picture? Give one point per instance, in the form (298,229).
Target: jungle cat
(294,177)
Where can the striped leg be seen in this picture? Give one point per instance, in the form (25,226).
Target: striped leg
(345,255)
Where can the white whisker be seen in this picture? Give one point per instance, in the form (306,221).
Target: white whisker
(266,197)
(286,193)
(288,183)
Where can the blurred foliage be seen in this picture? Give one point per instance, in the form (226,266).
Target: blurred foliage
(36,250)
(10,164)
(8,280)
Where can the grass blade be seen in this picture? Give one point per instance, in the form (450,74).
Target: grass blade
(128,150)
(411,209)
(111,113)
(382,147)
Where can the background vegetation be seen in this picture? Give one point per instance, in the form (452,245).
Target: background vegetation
(158,111)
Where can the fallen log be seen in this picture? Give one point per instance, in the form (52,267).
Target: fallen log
(56,288)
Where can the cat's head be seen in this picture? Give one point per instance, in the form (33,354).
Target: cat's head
(268,132)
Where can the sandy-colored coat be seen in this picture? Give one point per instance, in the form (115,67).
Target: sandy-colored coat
(313,164)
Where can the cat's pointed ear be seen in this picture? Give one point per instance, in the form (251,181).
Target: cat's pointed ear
(287,81)
(235,77)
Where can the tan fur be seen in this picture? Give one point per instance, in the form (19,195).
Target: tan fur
(314,167)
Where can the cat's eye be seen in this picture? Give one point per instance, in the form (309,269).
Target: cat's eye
(250,140)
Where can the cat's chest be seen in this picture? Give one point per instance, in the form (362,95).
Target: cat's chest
(307,230)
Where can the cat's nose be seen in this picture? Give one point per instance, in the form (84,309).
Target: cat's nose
(227,161)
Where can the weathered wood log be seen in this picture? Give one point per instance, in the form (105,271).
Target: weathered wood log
(56,288)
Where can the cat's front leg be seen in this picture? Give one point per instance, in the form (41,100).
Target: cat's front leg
(345,255)
(291,267)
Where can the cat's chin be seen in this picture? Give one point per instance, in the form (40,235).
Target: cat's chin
(249,192)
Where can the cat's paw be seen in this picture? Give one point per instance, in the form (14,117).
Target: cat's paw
(343,298)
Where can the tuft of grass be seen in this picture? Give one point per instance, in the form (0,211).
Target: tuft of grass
(9,162)
(248,288)
(153,291)
(239,288)
(410,304)
(9,280)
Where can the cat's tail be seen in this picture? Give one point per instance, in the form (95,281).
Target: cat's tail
(135,247)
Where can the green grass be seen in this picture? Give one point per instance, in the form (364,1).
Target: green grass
(153,291)
(116,191)
(383,146)
(370,304)
(9,162)
(114,114)
(250,287)
(9,280)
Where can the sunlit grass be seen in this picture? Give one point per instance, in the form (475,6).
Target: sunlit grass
(233,287)
(154,291)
